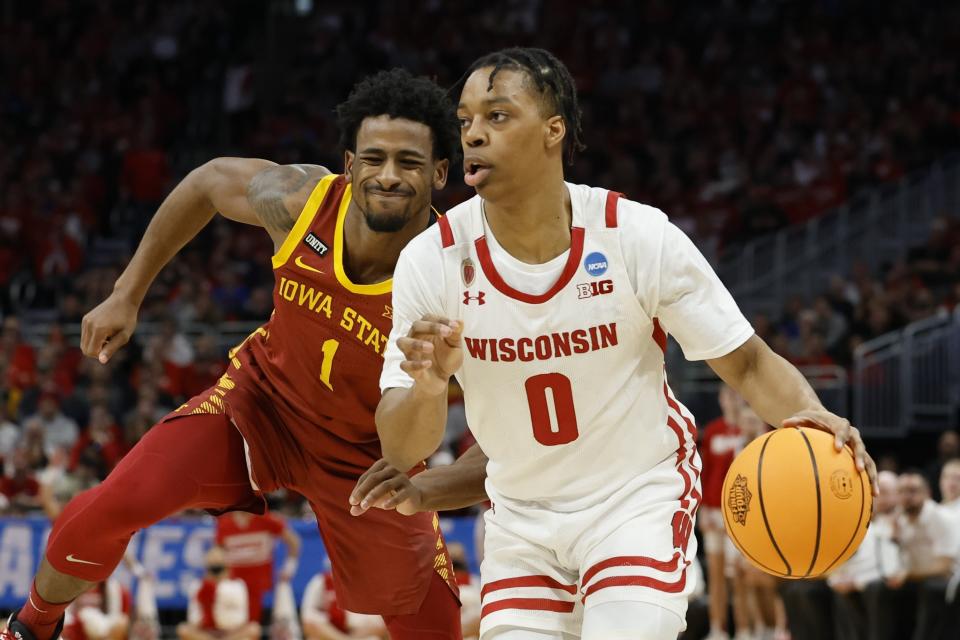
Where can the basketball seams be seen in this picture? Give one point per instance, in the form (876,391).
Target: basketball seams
(816,481)
(763,510)
(740,547)
(856,529)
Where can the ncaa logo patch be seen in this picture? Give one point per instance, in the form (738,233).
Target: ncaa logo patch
(595,264)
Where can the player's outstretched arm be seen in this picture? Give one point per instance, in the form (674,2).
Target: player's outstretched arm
(779,393)
(411,420)
(443,488)
(247,190)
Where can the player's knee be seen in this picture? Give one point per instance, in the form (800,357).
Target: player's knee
(630,620)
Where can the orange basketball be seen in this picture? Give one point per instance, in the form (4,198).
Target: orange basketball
(794,505)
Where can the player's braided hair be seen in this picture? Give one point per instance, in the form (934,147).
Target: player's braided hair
(398,94)
(552,80)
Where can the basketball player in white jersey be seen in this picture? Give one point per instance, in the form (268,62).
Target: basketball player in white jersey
(551,303)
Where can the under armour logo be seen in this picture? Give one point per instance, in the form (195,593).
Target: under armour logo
(479,297)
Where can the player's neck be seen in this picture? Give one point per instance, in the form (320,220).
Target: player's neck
(533,224)
(370,256)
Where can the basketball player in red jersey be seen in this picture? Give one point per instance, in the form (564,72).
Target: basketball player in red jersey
(295,407)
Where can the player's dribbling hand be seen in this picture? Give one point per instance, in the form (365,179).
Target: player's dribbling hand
(845,434)
(382,486)
(432,352)
(107,327)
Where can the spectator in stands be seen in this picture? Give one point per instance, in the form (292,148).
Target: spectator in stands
(948,448)
(323,619)
(58,429)
(720,443)
(249,542)
(950,489)
(860,593)
(218,608)
(9,431)
(103,613)
(926,544)
(19,485)
(21,358)
(101,444)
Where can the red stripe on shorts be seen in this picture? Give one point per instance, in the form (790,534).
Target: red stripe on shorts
(530,604)
(639,581)
(526,581)
(666,566)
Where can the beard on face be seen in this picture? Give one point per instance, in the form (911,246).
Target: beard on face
(385,222)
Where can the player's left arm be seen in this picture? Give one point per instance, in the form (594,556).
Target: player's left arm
(443,488)
(693,305)
(293,542)
(781,395)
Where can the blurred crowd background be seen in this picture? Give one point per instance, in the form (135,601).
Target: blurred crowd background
(738,118)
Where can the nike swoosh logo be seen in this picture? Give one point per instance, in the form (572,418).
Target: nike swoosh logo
(303,265)
(70,558)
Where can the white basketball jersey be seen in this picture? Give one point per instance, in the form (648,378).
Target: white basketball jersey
(565,391)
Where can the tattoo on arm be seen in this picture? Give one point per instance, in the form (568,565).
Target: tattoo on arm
(269,188)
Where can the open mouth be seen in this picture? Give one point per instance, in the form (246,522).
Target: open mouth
(475,173)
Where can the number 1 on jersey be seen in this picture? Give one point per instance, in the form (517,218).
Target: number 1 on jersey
(329,349)
(566,416)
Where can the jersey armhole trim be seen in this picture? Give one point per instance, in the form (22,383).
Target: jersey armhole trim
(304,220)
(446,231)
(610,209)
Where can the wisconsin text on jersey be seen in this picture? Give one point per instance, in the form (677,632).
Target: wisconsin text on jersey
(545,347)
(320,302)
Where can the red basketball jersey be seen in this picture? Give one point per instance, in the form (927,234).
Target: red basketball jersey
(720,444)
(305,386)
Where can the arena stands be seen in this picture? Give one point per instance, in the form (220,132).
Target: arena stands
(737,119)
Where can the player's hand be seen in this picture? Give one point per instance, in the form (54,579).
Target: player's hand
(107,327)
(845,434)
(384,487)
(432,352)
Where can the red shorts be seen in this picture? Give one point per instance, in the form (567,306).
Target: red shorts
(382,561)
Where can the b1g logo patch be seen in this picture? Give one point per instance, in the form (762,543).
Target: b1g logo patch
(841,484)
(595,264)
(738,502)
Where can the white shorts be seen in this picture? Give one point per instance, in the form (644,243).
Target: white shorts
(544,569)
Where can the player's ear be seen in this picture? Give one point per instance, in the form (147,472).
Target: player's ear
(555,130)
(441,170)
(348,157)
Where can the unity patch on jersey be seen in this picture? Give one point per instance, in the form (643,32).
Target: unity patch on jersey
(595,264)
(316,244)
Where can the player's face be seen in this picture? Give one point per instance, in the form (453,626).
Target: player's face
(507,137)
(393,171)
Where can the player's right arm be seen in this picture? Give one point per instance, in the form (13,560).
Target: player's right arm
(424,350)
(248,190)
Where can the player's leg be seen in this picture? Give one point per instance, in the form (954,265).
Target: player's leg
(634,551)
(437,619)
(385,563)
(193,461)
(630,620)
(526,593)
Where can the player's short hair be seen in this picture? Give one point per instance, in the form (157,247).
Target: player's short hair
(551,79)
(398,94)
